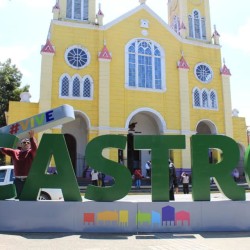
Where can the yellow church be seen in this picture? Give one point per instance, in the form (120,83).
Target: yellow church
(137,75)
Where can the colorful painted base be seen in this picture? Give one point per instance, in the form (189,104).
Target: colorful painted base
(125,216)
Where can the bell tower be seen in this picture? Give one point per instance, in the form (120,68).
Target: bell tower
(190,19)
(75,10)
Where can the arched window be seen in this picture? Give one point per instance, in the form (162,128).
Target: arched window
(87,87)
(213,100)
(144,65)
(204,97)
(190,25)
(196,98)
(76,87)
(176,24)
(197,25)
(158,73)
(77,9)
(64,86)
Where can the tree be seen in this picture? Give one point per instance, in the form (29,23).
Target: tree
(10,81)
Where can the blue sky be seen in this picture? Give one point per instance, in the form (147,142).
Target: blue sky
(24,26)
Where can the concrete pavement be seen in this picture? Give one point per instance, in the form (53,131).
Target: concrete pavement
(158,241)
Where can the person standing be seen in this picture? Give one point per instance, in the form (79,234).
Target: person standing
(185,182)
(148,169)
(22,159)
(236,174)
(99,181)
(138,177)
(103,179)
(94,177)
(173,184)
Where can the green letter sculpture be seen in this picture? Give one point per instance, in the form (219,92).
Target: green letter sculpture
(202,170)
(160,145)
(247,165)
(8,141)
(120,173)
(52,144)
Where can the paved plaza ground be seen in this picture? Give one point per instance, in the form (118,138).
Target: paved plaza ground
(157,241)
(214,196)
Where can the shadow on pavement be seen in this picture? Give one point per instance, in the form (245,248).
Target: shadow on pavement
(46,235)
(105,236)
(164,236)
(218,235)
(139,236)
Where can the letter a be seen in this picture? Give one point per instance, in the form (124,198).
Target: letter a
(52,144)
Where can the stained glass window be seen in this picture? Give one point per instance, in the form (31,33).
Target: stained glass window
(145,63)
(77,57)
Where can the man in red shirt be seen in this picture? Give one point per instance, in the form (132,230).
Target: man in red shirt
(22,160)
(138,177)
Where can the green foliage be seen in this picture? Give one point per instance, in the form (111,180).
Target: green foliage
(10,81)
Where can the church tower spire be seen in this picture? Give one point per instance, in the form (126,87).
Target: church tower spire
(190,19)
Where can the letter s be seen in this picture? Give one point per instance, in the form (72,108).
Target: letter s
(120,173)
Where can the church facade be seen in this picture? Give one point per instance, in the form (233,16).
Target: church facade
(137,75)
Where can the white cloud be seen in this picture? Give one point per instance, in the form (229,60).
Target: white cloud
(240,40)
(37,4)
(3,3)
(18,55)
(29,3)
